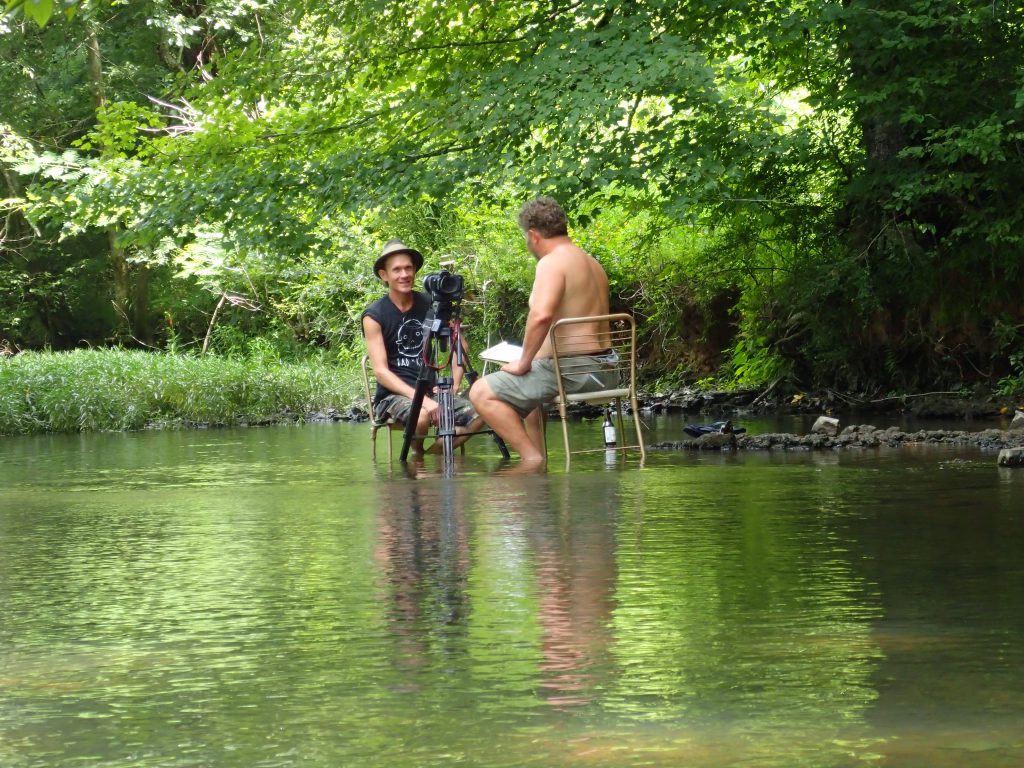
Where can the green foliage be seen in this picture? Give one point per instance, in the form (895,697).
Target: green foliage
(824,191)
(40,11)
(753,364)
(934,209)
(1013,384)
(118,129)
(118,389)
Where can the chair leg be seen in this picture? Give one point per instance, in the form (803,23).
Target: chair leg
(619,420)
(636,424)
(565,431)
(544,433)
(373,442)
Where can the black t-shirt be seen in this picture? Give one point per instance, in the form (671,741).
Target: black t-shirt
(403,336)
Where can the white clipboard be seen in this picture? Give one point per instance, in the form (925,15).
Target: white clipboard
(503,352)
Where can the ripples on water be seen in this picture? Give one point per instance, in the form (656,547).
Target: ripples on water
(266,597)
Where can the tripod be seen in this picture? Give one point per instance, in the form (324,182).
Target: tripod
(441,333)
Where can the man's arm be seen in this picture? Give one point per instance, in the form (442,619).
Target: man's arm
(381,371)
(545,299)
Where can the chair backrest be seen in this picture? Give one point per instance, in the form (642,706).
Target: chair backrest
(608,376)
(611,336)
(369,386)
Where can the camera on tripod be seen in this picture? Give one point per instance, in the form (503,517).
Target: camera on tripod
(444,286)
(442,331)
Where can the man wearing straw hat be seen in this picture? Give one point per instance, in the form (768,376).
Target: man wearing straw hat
(393,329)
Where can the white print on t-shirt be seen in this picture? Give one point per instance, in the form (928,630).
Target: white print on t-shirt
(409,341)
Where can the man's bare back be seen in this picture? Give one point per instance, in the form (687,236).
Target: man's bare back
(567,283)
(585,294)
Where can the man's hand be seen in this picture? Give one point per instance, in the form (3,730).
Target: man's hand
(431,408)
(518,367)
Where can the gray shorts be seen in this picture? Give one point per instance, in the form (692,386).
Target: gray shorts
(540,386)
(397,407)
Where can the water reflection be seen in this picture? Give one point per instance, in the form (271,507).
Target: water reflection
(570,544)
(291,603)
(574,548)
(423,555)
(564,547)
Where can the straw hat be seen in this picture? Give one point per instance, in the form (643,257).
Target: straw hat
(391,247)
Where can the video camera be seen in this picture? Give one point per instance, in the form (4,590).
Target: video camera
(444,286)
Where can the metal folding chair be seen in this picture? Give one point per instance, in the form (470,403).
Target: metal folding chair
(389,424)
(376,424)
(617,334)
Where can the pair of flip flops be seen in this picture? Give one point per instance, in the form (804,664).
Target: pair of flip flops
(715,427)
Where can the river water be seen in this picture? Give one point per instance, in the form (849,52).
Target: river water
(270,597)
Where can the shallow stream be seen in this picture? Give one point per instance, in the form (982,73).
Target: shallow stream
(270,597)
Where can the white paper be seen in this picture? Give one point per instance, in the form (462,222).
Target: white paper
(502,353)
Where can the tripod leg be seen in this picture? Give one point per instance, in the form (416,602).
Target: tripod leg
(422,385)
(446,417)
(424,382)
(471,377)
(463,359)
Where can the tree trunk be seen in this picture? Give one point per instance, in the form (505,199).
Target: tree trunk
(131,291)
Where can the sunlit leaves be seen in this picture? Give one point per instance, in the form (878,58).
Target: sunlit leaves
(40,11)
(778,129)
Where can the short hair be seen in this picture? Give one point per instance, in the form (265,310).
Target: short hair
(544,215)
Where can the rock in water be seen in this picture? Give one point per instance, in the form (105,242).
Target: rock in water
(826,425)
(1011,457)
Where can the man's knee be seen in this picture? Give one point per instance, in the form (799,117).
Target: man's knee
(479,392)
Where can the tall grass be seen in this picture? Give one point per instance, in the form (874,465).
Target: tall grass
(116,389)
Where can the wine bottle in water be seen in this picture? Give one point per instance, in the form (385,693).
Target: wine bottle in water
(609,428)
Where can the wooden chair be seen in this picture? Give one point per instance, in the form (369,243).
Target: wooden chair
(567,344)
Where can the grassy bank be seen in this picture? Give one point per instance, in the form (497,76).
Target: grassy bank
(115,389)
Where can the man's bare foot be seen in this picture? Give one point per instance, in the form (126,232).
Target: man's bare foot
(525,467)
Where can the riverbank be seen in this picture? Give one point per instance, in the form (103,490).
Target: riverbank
(125,390)
(979,404)
(854,436)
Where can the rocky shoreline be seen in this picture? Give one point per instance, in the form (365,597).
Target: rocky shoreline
(858,436)
(738,404)
(746,402)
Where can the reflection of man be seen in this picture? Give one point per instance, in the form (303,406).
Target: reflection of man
(568,282)
(423,558)
(573,544)
(393,329)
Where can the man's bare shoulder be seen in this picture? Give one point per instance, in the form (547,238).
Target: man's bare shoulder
(564,257)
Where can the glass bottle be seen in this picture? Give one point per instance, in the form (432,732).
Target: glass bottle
(609,428)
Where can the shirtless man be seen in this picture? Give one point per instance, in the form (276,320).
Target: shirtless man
(568,282)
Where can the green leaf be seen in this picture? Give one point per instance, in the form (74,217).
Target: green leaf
(38,10)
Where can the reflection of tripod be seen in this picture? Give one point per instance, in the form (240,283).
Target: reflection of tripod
(441,334)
